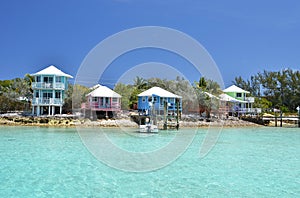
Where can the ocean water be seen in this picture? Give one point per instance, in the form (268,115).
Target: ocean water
(245,162)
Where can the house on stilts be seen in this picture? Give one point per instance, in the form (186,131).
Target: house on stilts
(49,88)
(239,101)
(101,102)
(159,104)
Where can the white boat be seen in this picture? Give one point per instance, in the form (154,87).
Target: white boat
(148,128)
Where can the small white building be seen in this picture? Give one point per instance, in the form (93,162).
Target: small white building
(49,88)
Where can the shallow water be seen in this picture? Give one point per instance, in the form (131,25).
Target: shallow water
(245,162)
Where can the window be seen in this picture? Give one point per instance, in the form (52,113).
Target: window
(48,79)
(143,99)
(58,79)
(154,99)
(57,94)
(47,95)
(38,79)
(37,95)
(94,99)
(238,95)
(115,100)
(162,101)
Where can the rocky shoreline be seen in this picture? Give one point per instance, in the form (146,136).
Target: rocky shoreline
(71,121)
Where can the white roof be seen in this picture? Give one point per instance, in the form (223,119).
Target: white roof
(159,92)
(52,70)
(211,96)
(225,97)
(103,91)
(235,89)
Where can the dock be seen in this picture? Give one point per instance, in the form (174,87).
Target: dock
(281,119)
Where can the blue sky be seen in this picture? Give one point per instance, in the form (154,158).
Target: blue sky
(242,37)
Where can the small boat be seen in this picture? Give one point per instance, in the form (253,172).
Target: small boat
(148,128)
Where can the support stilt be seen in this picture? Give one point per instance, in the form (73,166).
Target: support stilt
(165,115)
(177,113)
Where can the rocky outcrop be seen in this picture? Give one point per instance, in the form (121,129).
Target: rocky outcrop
(71,121)
(62,121)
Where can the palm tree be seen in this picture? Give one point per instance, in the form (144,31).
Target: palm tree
(140,83)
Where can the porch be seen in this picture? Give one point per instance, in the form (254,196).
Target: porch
(46,85)
(47,101)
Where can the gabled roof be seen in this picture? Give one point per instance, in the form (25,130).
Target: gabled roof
(235,89)
(52,70)
(103,91)
(159,92)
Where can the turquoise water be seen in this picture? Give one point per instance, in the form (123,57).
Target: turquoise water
(53,162)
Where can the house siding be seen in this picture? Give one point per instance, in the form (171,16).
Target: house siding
(48,94)
(158,103)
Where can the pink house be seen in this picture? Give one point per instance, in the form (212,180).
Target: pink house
(102,101)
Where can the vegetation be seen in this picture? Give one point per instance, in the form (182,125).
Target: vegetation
(206,90)
(279,89)
(75,96)
(271,89)
(194,98)
(125,91)
(15,94)
(130,92)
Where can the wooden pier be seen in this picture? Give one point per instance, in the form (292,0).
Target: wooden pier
(278,120)
(282,119)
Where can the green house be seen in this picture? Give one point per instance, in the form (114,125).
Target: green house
(242,103)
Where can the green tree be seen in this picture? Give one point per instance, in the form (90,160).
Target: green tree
(13,92)
(207,91)
(202,83)
(240,82)
(262,103)
(75,95)
(280,88)
(140,83)
(125,91)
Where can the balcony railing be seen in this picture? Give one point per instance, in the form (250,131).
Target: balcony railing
(100,106)
(248,110)
(47,101)
(43,85)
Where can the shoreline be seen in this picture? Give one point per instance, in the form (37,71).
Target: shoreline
(71,121)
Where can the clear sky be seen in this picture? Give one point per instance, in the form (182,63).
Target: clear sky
(243,37)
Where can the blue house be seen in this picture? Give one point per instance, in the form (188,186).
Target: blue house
(155,99)
(49,88)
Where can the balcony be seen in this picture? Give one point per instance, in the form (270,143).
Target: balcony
(100,107)
(47,101)
(43,85)
(248,110)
